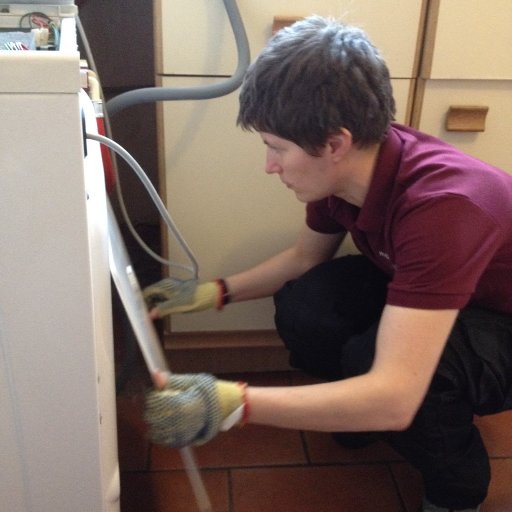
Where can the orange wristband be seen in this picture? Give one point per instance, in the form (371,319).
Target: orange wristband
(246,408)
(224,297)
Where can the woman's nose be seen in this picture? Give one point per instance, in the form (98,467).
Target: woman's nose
(271,166)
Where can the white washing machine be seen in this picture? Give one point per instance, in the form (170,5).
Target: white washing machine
(58,440)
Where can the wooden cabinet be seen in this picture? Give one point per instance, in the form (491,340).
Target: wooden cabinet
(468,40)
(493,143)
(467,65)
(197,39)
(230,212)
(441,54)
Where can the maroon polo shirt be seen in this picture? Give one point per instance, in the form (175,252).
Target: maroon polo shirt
(436,220)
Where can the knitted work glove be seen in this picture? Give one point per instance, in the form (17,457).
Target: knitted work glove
(173,295)
(193,408)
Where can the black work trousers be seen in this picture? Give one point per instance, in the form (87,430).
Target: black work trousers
(328,321)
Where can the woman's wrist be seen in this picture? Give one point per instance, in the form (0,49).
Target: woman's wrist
(224,297)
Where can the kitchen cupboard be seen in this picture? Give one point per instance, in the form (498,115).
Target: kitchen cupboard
(493,143)
(230,212)
(441,54)
(467,65)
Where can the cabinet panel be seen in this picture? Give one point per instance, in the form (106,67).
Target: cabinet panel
(491,145)
(197,37)
(469,39)
(402,92)
(230,212)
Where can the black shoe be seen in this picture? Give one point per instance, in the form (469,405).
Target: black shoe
(355,439)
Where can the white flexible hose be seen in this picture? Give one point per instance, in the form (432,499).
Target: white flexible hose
(119,150)
(204,92)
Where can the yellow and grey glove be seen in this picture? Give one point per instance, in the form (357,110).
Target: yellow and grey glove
(193,408)
(173,295)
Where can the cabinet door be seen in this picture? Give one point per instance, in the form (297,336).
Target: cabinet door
(492,144)
(230,212)
(469,39)
(197,37)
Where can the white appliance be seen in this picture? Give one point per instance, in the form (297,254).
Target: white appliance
(58,441)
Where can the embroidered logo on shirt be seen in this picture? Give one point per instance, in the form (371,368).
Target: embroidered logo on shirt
(386,256)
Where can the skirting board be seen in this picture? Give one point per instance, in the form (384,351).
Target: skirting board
(225,352)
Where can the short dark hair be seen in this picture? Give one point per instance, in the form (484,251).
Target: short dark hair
(314,78)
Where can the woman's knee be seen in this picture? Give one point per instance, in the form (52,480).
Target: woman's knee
(316,314)
(346,293)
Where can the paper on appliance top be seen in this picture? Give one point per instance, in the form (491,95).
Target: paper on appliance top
(41,2)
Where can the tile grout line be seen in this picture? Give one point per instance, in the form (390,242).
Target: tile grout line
(231,500)
(397,487)
(305,447)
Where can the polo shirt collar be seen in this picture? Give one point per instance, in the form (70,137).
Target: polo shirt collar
(373,211)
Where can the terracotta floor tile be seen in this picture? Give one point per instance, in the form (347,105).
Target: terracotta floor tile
(496,433)
(500,490)
(171,492)
(249,446)
(262,469)
(323,449)
(410,485)
(315,489)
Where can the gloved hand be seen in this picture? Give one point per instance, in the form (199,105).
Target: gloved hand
(193,408)
(173,295)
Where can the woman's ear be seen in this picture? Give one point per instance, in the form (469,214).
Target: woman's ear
(339,143)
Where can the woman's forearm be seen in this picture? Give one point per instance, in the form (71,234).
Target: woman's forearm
(351,405)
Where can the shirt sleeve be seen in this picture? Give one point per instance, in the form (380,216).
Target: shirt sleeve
(441,250)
